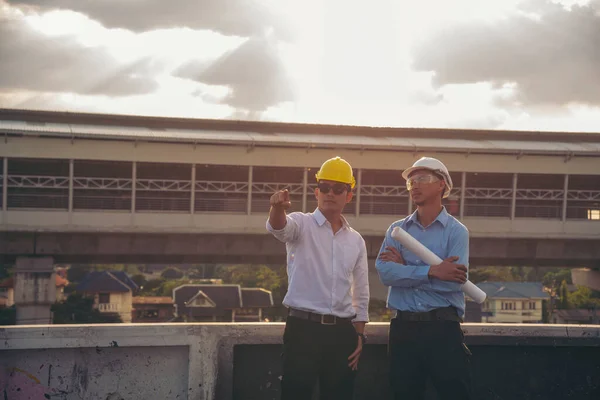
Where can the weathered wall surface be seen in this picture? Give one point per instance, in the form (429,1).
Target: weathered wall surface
(496,248)
(242,361)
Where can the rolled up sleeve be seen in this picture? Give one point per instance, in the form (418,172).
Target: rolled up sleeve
(291,230)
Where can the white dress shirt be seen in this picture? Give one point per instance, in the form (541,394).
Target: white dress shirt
(327,272)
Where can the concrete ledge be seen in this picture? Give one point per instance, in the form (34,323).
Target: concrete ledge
(149,359)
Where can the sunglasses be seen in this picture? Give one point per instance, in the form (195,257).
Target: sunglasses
(337,188)
(420,179)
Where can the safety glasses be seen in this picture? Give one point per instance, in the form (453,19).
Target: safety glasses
(337,188)
(420,179)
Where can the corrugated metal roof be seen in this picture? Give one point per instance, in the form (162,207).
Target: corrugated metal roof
(315,140)
(514,290)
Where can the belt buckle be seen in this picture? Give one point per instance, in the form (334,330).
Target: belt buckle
(333,318)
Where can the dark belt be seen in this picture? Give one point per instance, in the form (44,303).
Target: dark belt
(324,319)
(438,314)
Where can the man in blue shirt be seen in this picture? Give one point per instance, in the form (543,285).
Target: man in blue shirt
(425,337)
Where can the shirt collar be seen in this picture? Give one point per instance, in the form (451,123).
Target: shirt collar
(442,218)
(320,218)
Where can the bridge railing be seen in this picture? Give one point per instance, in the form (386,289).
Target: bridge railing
(161,195)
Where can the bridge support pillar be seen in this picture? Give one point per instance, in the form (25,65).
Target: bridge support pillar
(35,290)
(586,277)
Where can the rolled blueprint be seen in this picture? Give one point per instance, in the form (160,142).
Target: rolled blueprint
(430,258)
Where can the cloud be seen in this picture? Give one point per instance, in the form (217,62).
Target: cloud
(230,17)
(253,71)
(37,62)
(549,51)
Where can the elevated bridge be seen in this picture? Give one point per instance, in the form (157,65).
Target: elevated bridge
(104,188)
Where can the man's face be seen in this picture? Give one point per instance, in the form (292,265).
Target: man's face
(424,186)
(332,196)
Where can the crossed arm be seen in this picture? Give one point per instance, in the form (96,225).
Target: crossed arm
(394,271)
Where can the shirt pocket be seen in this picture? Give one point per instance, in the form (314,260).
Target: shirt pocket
(349,258)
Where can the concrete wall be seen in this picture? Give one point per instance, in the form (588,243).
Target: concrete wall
(244,247)
(242,361)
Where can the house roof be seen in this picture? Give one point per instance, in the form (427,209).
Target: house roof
(225,297)
(256,297)
(8,283)
(577,314)
(107,281)
(514,290)
(152,300)
(200,295)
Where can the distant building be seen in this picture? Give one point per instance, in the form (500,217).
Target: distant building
(112,292)
(513,302)
(7,290)
(152,309)
(220,303)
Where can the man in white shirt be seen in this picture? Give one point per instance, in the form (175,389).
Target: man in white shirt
(328,290)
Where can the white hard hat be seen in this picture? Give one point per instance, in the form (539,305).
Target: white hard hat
(432,164)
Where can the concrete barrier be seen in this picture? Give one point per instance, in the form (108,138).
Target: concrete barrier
(242,361)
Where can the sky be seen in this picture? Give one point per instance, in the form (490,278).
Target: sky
(493,64)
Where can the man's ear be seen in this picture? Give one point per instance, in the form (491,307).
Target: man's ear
(349,196)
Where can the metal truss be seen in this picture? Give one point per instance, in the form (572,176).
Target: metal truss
(221,187)
(47,182)
(384,191)
(488,193)
(163,185)
(270,188)
(102,183)
(540,194)
(585,195)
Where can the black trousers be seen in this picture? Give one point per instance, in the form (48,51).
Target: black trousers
(434,349)
(313,351)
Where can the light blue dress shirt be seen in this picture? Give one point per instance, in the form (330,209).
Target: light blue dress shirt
(410,287)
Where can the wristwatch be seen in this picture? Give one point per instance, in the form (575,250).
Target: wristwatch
(364,338)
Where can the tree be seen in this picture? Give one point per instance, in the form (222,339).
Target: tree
(491,274)
(583,297)
(77,309)
(77,272)
(8,315)
(5,271)
(172,273)
(553,279)
(139,279)
(563,293)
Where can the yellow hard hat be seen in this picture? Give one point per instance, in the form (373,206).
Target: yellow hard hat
(338,170)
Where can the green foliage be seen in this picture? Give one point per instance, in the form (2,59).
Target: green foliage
(554,278)
(491,274)
(5,271)
(139,279)
(8,315)
(77,309)
(152,286)
(77,272)
(584,297)
(378,311)
(172,273)
(166,289)
(563,293)
(545,312)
